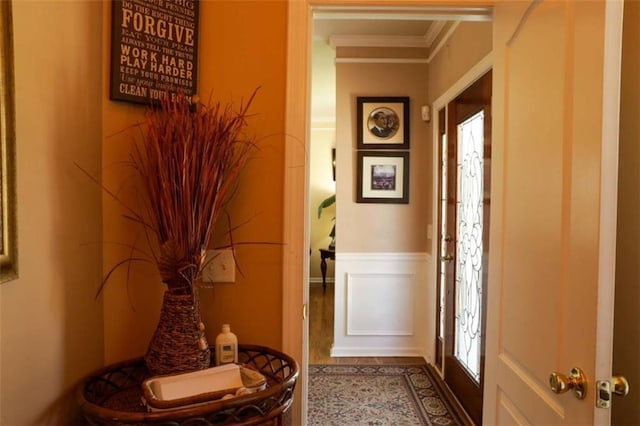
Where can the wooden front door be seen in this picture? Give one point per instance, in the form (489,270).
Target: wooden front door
(465,188)
(553,216)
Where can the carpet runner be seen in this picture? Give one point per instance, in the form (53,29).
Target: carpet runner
(377,395)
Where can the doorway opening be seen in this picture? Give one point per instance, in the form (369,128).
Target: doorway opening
(426,327)
(322,202)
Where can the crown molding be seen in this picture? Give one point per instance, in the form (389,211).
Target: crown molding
(345,40)
(443,40)
(418,13)
(433,32)
(381,61)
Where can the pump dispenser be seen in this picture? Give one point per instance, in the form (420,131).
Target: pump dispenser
(226,346)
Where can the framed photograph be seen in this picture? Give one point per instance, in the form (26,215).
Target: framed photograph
(383,177)
(383,122)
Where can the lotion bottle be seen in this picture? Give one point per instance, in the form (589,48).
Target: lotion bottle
(226,346)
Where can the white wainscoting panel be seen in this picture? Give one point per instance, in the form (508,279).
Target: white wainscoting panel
(384,305)
(380,304)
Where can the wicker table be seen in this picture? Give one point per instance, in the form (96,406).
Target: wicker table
(113,395)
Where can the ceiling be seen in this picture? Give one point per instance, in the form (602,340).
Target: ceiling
(325,28)
(373,27)
(422,22)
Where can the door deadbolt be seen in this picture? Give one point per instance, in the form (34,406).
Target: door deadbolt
(576,381)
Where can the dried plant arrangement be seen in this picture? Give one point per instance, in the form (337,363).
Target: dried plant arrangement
(186,162)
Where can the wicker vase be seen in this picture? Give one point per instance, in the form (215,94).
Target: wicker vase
(177,344)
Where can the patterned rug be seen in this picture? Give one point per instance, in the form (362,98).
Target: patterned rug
(376,395)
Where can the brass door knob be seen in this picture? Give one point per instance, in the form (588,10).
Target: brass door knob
(618,385)
(576,381)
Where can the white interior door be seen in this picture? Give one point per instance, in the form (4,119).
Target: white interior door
(551,271)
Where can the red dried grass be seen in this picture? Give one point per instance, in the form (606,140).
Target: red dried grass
(187,162)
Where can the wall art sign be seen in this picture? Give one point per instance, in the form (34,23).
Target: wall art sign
(383,177)
(383,122)
(154,49)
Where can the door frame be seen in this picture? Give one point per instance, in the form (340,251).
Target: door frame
(470,77)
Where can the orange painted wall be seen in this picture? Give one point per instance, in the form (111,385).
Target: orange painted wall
(242,46)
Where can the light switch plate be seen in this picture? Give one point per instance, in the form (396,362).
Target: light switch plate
(220,267)
(425,113)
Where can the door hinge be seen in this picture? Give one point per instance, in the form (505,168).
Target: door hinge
(618,385)
(304,311)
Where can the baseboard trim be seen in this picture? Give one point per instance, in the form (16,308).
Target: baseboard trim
(380,352)
(314,280)
(383,257)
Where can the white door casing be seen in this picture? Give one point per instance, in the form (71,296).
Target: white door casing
(553,218)
(295,259)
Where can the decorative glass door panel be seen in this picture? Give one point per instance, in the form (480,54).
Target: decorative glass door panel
(441,289)
(469,265)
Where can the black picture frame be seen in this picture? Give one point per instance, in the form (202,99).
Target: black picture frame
(154,50)
(390,133)
(383,177)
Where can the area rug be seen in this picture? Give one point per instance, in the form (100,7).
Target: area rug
(376,395)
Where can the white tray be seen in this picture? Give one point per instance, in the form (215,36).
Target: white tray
(178,390)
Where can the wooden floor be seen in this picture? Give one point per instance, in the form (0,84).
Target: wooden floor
(321,333)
